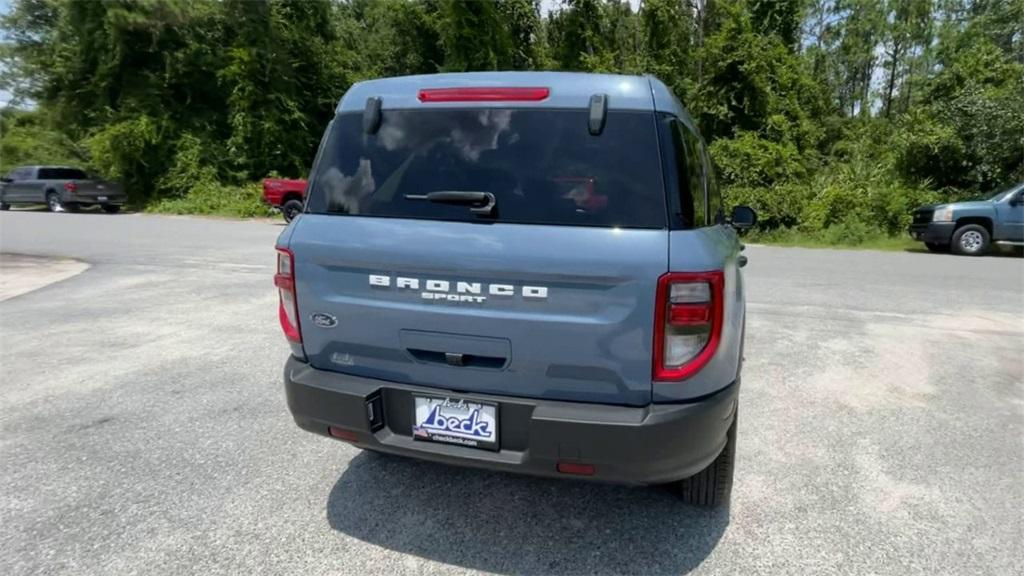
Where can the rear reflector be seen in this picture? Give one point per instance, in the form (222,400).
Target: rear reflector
(342,434)
(576,468)
(483,94)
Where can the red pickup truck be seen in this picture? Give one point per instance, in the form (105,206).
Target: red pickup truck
(286,195)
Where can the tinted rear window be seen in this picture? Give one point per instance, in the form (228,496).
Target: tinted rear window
(61,174)
(543,166)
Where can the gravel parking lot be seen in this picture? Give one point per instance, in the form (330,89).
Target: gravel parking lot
(143,429)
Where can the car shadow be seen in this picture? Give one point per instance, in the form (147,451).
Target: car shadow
(89,210)
(515,524)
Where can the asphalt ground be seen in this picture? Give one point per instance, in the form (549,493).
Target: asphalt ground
(143,428)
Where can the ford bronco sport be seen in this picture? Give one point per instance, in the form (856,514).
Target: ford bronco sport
(527,272)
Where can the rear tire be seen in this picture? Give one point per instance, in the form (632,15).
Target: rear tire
(971,240)
(936,247)
(53,202)
(291,209)
(5,206)
(712,486)
(111,208)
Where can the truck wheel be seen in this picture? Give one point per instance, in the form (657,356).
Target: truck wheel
(111,208)
(5,206)
(712,486)
(971,240)
(291,209)
(53,202)
(936,247)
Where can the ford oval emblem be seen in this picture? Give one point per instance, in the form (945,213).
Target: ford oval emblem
(324,320)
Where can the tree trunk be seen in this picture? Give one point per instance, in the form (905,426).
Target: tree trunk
(895,60)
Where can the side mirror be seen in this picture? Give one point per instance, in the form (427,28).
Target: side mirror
(743,217)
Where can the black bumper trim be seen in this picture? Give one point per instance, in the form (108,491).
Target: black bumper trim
(932,232)
(630,445)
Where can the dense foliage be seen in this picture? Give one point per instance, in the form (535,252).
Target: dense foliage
(832,117)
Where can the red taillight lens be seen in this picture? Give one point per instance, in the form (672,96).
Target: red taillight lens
(288,307)
(687,323)
(70,187)
(477,94)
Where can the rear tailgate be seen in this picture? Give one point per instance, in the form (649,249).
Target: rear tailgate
(98,191)
(588,340)
(550,295)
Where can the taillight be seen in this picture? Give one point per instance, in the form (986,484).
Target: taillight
(687,323)
(481,94)
(288,307)
(70,187)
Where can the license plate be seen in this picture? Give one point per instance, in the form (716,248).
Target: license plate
(101,198)
(456,421)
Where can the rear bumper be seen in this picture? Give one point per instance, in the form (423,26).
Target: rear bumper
(630,445)
(932,232)
(94,198)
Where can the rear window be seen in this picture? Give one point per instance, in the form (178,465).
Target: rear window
(543,167)
(61,174)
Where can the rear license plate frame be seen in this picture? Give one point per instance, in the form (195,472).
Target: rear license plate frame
(426,428)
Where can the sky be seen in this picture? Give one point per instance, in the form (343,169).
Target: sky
(547,5)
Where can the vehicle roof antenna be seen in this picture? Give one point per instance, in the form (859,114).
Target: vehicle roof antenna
(371,115)
(598,113)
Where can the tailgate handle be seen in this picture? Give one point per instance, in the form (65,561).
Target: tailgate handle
(457,359)
(459,350)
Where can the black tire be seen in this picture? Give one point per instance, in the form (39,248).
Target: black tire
(5,206)
(53,202)
(291,209)
(712,486)
(111,208)
(936,247)
(971,240)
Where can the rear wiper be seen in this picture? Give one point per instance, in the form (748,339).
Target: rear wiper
(482,203)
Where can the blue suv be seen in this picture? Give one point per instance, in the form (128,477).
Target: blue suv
(528,272)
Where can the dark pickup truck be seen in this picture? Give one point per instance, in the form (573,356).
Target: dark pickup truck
(61,188)
(971,228)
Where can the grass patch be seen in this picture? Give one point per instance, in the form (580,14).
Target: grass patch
(840,236)
(214,199)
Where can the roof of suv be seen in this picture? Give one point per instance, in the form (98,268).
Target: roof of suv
(568,90)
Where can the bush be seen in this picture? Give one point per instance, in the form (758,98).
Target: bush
(845,202)
(777,206)
(750,160)
(188,169)
(131,151)
(212,198)
(25,138)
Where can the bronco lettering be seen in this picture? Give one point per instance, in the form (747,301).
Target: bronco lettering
(464,291)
